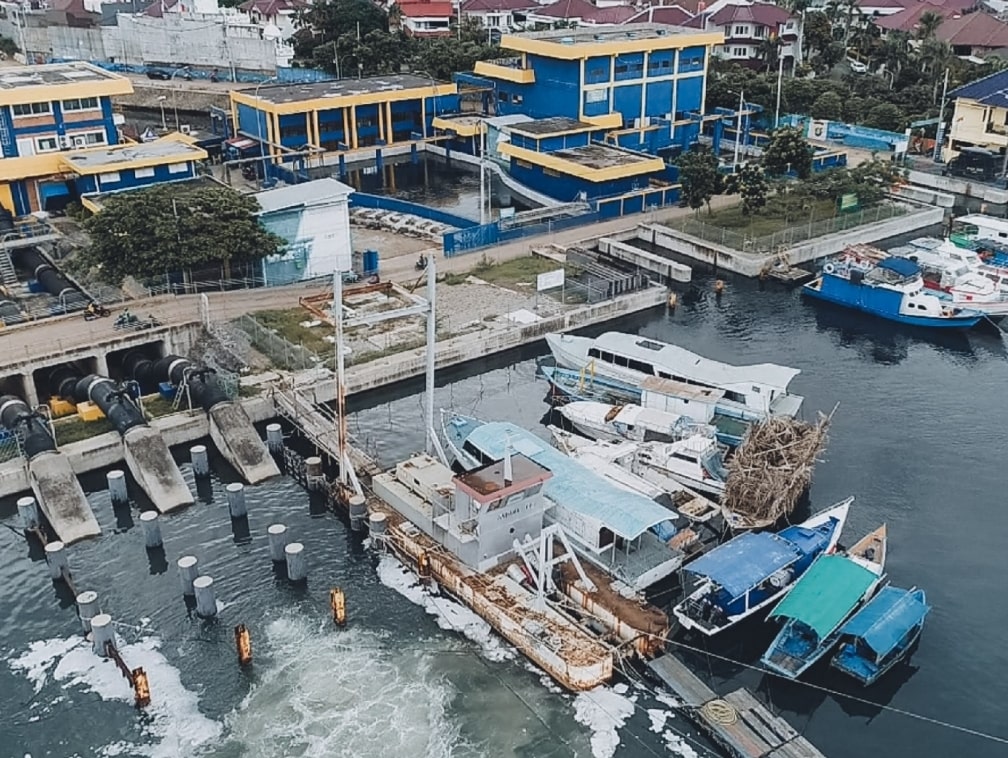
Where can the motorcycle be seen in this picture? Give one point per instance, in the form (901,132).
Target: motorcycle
(132,322)
(421,264)
(99,311)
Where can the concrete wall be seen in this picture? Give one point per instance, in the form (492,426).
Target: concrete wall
(997,196)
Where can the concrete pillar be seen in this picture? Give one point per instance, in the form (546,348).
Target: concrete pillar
(87,608)
(277,542)
(358,512)
(200,460)
(152,528)
(116,480)
(102,633)
(188,568)
(274,438)
(206,600)
(57,559)
(379,163)
(377,527)
(296,570)
(236,499)
(314,477)
(28,511)
(101,364)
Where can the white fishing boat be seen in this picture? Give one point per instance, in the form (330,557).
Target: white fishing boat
(627,357)
(601,421)
(960,274)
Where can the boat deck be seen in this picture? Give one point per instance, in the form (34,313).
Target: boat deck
(738,722)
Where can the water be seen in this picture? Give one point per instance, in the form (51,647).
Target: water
(915,439)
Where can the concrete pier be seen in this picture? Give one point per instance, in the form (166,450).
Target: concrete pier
(154,469)
(56,558)
(152,529)
(236,499)
(237,440)
(314,476)
(87,609)
(296,570)
(61,498)
(277,542)
(28,512)
(274,438)
(102,633)
(357,506)
(188,568)
(206,600)
(118,492)
(200,460)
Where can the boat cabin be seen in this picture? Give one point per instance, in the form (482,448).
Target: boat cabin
(978,227)
(696,402)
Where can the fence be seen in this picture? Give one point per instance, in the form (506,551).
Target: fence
(282,352)
(792,235)
(364,200)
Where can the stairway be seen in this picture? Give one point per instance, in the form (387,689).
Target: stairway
(7,274)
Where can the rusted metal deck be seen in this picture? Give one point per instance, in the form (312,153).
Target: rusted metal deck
(738,722)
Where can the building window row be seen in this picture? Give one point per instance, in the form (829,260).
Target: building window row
(81,104)
(31,109)
(21,110)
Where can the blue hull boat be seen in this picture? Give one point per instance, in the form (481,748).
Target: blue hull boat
(892,288)
(881,634)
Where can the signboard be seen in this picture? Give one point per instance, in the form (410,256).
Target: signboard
(550,280)
(848,203)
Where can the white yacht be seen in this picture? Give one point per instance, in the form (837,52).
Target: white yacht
(960,273)
(602,421)
(761,388)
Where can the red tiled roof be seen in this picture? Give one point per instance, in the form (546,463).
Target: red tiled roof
(485,6)
(762,14)
(692,7)
(975,30)
(671,15)
(272,7)
(426,10)
(615,14)
(960,5)
(568,9)
(907,19)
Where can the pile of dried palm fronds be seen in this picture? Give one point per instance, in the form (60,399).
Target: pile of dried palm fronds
(772,468)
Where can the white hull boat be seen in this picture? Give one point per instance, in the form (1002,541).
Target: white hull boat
(601,421)
(760,388)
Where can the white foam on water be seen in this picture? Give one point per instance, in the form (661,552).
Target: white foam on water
(449,614)
(322,691)
(658,718)
(173,724)
(604,710)
(677,744)
(674,742)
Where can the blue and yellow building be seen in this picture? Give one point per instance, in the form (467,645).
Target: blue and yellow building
(60,140)
(645,82)
(341,115)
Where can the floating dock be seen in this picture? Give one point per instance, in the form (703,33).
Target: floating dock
(738,722)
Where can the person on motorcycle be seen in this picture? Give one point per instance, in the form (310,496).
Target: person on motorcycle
(422,261)
(92,309)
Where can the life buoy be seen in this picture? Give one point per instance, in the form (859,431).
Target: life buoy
(829,268)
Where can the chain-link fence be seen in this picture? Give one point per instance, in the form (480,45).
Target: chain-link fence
(283,353)
(789,236)
(10,446)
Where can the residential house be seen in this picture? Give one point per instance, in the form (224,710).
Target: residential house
(577,13)
(505,15)
(281,14)
(975,34)
(426,18)
(671,15)
(747,27)
(980,115)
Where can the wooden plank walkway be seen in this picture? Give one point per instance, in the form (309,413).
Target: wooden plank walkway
(738,722)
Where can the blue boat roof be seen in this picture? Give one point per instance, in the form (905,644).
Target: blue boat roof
(902,266)
(742,563)
(884,621)
(807,540)
(573,486)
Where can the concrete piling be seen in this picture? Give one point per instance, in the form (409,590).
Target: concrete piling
(200,460)
(188,568)
(274,438)
(277,542)
(314,477)
(28,511)
(358,512)
(102,633)
(294,553)
(116,480)
(152,528)
(206,600)
(377,527)
(87,608)
(236,499)
(55,553)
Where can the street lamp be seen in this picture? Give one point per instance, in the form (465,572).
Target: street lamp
(738,127)
(161,101)
(259,123)
(176,72)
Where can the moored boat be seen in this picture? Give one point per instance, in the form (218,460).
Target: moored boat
(821,601)
(881,634)
(751,571)
(761,388)
(892,288)
(567,385)
(601,421)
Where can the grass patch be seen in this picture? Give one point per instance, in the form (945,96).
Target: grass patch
(507,273)
(72,429)
(287,324)
(771,218)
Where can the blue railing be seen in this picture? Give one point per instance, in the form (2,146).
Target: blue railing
(364,200)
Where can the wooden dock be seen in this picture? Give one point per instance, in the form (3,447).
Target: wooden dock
(738,722)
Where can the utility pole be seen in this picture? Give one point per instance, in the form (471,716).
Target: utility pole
(780,81)
(940,134)
(483,199)
(738,129)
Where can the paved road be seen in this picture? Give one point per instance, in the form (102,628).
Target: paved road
(53,336)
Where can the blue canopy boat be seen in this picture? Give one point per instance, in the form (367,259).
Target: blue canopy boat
(820,603)
(892,288)
(749,572)
(881,634)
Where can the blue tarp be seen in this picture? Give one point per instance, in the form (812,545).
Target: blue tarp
(887,618)
(744,562)
(573,486)
(902,266)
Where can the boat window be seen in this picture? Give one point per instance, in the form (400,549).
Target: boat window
(755,389)
(663,375)
(605,537)
(644,368)
(594,353)
(684,457)
(621,360)
(735,397)
(650,345)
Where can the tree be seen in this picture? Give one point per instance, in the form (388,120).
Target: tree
(817,33)
(325,21)
(162,229)
(927,25)
(751,184)
(829,105)
(788,151)
(886,116)
(700,178)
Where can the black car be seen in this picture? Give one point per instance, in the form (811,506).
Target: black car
(158,73)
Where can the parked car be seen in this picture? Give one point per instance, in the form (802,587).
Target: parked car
(158,73)
(857,67)
(974,163)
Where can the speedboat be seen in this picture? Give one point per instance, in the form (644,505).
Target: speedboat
(748,573)
(821,602)
(601,421)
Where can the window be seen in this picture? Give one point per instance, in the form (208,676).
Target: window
(739,52)
(31,109)
(596,95)
(650,345)
(46,144)
(740,30)
(86,139)
(178,168)
(517,99)
(143,173)
(111,177)
(644,368)
(621,360)
(82,104)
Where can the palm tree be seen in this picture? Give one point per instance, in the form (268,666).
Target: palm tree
(769,51)
(851,8)
(895,52)
(927,25)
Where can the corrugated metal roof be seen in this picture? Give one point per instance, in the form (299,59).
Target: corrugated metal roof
(306,193)
(573,485)
(991,90)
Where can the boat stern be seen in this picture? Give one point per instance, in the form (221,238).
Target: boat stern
(569,351)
